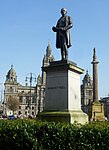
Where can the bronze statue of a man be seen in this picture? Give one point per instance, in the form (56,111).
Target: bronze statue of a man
(63,40)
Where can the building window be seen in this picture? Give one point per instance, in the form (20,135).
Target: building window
(20,99)
(19,107)
(11,90)
(90,93)
(26,113)
(19,112)
(26,107)
(27,99)
(33,99)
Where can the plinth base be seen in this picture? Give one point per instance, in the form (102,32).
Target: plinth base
(62,93)
(67,117)
(96,111)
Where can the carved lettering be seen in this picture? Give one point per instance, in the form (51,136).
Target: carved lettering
(56,87)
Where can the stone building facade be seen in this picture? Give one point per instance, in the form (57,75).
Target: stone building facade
(86,92)
(105,101)
(31,99)
(14,89)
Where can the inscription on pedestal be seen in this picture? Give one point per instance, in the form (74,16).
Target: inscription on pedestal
(56,87)
(98,109)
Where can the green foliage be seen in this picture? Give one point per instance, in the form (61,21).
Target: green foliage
(36,135)
(12,103)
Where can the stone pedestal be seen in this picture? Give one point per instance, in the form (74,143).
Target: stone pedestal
(62,94)
(96,111)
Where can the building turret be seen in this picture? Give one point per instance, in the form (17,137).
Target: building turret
(39,80)
(10,88)
(11,75)
(48,57)
(48,51)
(87,79)
(86,92)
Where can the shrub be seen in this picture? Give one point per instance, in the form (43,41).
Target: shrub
(37,135)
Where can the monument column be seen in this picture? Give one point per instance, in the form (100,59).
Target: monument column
(96,109)
(95,76)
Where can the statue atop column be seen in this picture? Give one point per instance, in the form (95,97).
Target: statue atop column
(62,29)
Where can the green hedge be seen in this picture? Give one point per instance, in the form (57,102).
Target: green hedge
(34,135)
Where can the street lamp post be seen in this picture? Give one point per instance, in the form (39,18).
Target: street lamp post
(30,77)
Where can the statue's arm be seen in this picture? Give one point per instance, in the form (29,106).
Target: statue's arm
(70,24)
(68,27)
(56,29)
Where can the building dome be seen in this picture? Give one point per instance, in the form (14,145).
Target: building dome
(87,79)
(11,75)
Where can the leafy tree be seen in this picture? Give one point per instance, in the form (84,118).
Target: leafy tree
(13,103)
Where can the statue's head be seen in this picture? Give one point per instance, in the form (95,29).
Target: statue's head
(63,11)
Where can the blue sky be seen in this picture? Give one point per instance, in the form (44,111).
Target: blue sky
(25,29)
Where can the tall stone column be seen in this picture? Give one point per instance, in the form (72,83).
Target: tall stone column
(96,109)
(95,76)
